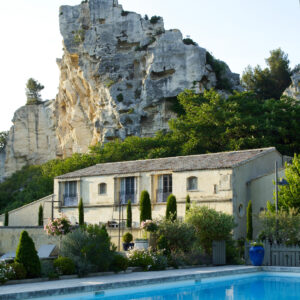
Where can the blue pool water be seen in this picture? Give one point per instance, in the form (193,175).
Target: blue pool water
(258,286)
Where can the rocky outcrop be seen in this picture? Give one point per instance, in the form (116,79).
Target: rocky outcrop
(118,74)
(294,89)
(32,139)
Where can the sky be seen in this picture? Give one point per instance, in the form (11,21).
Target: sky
(240,32)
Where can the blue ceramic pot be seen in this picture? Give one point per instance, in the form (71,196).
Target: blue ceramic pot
(257,254)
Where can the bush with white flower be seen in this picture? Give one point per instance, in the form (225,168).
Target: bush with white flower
(149,226)
(58,227)
(6,272)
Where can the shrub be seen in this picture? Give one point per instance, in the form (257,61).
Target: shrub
(47,268)
(175,236)
(58,226)
(187,203)
(81,212)
(124,13)
(171,211)
(6,272)
(145,207)
(19,270)
(41,216)
(127,237)
(119,263)
(27,255)
(154,19)
(160,261)
(140,258)
(283,227)
(120,97)
(189,41)
(249,221)
(129,215)
(210,225)
(64,266)
(6,219)
(89,248)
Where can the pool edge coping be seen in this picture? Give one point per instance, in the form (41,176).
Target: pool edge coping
(124,284)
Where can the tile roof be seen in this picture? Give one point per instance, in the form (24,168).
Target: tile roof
(221,160)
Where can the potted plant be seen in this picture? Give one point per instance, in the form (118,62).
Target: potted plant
(127,241)
(141,244)
(257,253)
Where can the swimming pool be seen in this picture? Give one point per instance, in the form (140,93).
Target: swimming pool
(263,285)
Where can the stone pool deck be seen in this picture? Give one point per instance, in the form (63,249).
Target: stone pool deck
(91,284)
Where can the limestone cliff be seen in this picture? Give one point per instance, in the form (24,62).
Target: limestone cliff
(118,73)
(294,89)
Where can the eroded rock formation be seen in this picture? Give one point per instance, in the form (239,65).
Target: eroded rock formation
(294,89)
(118,74)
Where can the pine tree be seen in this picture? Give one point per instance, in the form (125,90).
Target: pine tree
(26,254)
(6,219)
(249,221)
(187,203)
(171,211)
(41,216)
(33,89)
(129,215)
(81,212)
(145,207)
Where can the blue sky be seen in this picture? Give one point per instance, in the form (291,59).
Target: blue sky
(240,32)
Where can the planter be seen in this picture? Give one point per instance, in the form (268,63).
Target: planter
(141,244)
(257,254)
(128,246)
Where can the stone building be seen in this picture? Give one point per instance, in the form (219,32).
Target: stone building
(223,181)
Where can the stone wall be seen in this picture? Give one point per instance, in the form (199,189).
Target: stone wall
(9,237)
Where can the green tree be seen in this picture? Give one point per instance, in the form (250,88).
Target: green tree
(41,216)
(210,225)
(187,203)
(289,195)
(171,209)
(6,218)
(145,207)
(33,89)
(129,215)
(26,254)
(271,81)
(81,213)
(249,221)
(3,139)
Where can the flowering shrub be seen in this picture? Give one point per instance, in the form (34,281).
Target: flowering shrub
(6,272)
(58,226)
(147,259)
(149,226)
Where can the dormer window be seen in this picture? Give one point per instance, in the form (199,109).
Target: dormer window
(192,183)
(102,188)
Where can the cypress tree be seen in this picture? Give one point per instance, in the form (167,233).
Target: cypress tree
(27,255)
(81,213)
(187,203)
(249,221)
(6,219)
(171,211)
(41,216)
(129,215)
(145,207)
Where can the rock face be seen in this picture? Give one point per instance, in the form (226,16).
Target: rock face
(119,73)
(32,139)
(294,89)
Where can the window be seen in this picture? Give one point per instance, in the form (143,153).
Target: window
(165,186)
(128,190)
(192,183)
(102,188)
(70,193)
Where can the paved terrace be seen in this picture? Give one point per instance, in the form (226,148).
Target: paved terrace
(90,284)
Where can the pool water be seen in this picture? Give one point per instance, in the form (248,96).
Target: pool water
(258,286)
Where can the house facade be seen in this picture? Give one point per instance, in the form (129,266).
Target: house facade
(220,180)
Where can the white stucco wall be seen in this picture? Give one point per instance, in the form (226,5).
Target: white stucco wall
(242,176)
